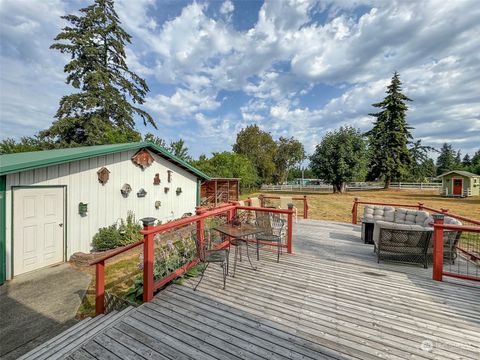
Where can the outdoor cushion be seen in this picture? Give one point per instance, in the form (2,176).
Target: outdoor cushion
(378,212)
(410,217)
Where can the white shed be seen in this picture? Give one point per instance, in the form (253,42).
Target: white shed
(53,202)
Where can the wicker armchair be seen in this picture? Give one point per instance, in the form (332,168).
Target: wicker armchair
(273,228)
(402,244)
(207,254)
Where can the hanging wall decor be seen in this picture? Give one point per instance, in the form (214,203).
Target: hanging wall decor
(158,204)
(156,179)
(125,190)
(103,175)
(141,193)
(166,190)
(179,190)
(143,159)
(169,178)
(83,209)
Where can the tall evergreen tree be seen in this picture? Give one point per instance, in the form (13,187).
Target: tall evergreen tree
(108,95)
(446,161)
(466,160)
(390,135)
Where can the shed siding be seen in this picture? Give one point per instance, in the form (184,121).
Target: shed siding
(105,202)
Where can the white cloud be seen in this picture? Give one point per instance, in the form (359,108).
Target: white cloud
(278,64)
(227,7)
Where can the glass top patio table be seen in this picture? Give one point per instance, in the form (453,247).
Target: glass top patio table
(239,231)
(240,234)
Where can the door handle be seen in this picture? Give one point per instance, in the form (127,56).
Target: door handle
(61,224)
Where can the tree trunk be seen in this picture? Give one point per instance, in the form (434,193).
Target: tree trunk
(339,188)
(387,182)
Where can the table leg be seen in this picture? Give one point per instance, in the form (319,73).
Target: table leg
(248,255)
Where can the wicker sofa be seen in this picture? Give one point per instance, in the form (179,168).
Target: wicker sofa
(406,235)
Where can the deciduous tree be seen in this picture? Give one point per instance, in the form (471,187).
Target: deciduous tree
(259,147)
(340,157)
(228,165)
(290,152)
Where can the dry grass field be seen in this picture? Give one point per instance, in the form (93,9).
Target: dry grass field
(338,207)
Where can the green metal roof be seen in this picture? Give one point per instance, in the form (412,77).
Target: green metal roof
(11,163)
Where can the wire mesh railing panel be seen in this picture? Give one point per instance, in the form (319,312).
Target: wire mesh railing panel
(462,253)
(122,273)
(173,249)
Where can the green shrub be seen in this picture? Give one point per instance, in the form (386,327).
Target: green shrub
(107,238)
(130,230)
(112,236)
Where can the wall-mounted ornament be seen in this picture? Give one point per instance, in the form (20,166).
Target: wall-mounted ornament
(141,193)
(103,175)
(179,190)
(143,159)
(156,179)
(83,209)
(158,204)
(169,177)
(125,190)
(166,190)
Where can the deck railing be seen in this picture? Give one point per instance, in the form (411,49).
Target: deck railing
(467,246)
(264,198)
(150,285)
(468,250)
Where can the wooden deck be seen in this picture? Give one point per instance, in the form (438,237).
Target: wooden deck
(329,300)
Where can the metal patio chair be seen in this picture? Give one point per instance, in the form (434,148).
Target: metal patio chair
(273,226)
(207,254)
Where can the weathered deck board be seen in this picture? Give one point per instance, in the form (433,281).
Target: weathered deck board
(329,300)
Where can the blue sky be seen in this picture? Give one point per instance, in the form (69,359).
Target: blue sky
(295,68)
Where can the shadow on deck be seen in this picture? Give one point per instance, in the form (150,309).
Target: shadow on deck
(329,300)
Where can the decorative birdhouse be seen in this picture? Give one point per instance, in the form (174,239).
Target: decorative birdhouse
(179,190)
(156,179)
(143,159)
(141,193)
(166,190)
(103,175)
(158,204)
(169,177)
(125,190)
(82,209)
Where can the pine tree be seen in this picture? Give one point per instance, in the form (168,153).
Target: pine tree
(446,161)
(390,135)
(104,108)
(466,160)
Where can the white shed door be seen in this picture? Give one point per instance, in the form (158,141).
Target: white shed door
(37,228)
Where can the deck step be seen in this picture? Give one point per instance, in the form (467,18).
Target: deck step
(64,343)
(32,354)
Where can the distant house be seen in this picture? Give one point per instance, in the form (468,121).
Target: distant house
(459,183)
(53,202)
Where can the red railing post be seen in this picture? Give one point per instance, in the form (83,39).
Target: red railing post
(290,229)
(100,288)
(148,257)
(437,247)
(420,206)
(354,211)
(305,207)
(262,200)
(201,231)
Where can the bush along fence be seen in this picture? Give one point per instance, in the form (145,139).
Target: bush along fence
(156,273)
(465,264)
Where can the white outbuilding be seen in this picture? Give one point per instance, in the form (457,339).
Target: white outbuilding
(53,202)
